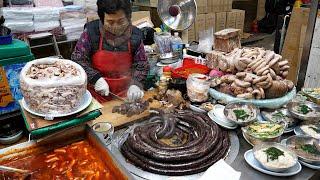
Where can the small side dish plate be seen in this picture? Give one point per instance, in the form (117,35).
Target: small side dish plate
(249,157)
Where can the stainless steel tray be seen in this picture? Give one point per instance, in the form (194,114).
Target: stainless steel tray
(62,139)
(141,174)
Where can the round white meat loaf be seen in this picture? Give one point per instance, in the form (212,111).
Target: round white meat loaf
(53,86)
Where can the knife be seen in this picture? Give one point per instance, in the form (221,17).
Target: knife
(117,97)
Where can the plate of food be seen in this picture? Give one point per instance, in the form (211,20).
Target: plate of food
(281,115)
(308,129)
(259,132)
(275,157)
(306,148)
(307,111)
(221,121)
(254,163)
(85,102)
(241,113)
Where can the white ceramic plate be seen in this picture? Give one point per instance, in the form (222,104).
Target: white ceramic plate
(85,102)
(248,156)
(218,112)
(220,122)
(312,166)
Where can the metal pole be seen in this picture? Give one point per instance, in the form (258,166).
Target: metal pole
(307,44)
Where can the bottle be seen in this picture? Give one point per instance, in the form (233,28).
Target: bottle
(177,45)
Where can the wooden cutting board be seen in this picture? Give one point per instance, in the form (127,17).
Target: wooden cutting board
(119,120)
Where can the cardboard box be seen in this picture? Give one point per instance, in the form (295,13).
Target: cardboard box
(202,6)
(209,6)
(231,19)
(240,19)
(200,24)
(229,5)
(141,19)
(139,15)
(191,33)
(261,9)
(211,21)
(221,19)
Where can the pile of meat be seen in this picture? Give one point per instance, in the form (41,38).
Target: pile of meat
(179,143)
(53,86)
(131,108)
(252,73)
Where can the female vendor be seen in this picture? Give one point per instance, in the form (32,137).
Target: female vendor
(112,53)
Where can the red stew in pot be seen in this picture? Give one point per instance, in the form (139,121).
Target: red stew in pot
(76,161)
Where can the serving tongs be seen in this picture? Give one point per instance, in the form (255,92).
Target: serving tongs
(26,173)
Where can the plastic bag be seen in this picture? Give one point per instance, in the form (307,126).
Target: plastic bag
(163,41)
(205,41)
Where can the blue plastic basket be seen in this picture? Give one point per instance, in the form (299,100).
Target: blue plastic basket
(6,39)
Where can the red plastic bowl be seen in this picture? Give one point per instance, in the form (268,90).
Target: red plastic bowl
(189,67)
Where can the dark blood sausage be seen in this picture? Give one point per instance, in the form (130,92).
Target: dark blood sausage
(205,144)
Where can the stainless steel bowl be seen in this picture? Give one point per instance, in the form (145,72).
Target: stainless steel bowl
(301,116)
(255,140)
(234,105)
(297,140)
(279,146)
(290,121)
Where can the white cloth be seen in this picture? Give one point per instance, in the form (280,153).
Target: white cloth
(102,87)
(75,22)
(46,26)
(20,26)
(134,93)
(45,14)
(17,13)
(221,171)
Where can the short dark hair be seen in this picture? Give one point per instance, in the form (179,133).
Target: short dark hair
(111,6)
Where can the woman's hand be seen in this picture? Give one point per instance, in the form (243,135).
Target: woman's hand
(102,87)
(134,93)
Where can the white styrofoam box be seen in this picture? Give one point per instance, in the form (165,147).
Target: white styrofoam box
(44,14)
(73,22)
(20,26)
(79,2)
(17,13)
(46,26)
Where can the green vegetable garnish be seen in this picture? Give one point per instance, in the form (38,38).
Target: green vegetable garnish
(240,114)
(309,148)
(273,153)
(278,116)
(304,109)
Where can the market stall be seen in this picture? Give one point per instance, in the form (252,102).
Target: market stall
(156,108)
